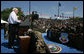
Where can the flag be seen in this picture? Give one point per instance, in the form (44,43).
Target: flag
(59,4)
(55,15)
(75,8)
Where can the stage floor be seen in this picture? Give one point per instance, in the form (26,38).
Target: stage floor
(65,49)
(4,45)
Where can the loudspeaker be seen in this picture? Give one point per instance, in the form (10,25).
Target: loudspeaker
(35,16)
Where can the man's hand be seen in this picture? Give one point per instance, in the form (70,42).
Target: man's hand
(20,20)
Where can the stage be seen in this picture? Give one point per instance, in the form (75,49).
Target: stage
(5,49)
(65,49)
(4,45)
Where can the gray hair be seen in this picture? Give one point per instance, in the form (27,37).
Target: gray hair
(14,9)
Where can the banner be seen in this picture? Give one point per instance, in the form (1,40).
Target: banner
(59,4)
(64,38)
(75,8)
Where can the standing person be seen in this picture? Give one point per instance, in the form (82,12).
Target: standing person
(13,25)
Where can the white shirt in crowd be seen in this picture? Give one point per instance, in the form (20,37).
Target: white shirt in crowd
(13,18)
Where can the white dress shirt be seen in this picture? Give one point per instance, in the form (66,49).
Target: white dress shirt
(13,18)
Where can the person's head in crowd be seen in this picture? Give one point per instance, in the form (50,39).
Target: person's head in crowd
(81,25)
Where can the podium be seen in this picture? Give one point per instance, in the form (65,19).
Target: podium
(24,43)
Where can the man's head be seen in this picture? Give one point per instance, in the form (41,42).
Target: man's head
(15,10)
